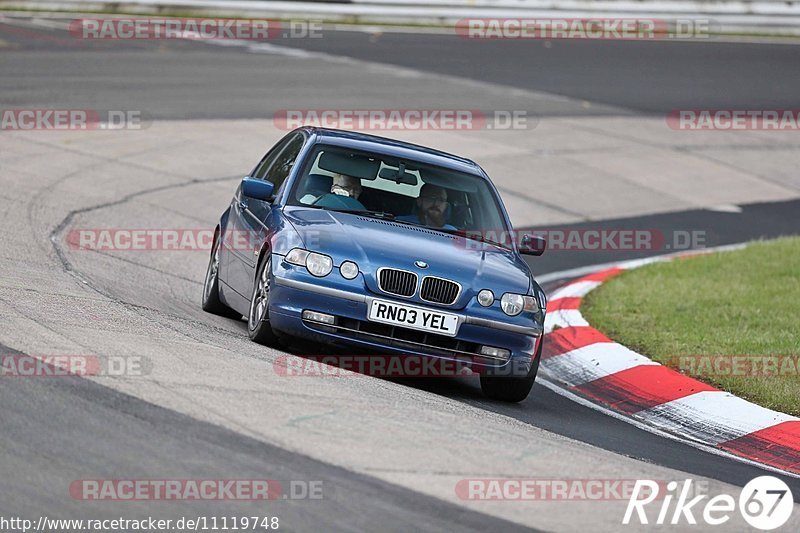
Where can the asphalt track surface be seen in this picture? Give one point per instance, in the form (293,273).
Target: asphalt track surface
(641,76)
(634,77)
(56,430)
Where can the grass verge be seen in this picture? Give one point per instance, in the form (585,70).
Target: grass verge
(731,319)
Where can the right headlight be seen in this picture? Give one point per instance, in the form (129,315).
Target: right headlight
(514,304)
(318,264)
(297,256)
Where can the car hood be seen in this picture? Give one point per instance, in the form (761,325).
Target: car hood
(375,243)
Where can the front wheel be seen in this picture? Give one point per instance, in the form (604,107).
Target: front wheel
(258,326)
(509,389)
(211,301)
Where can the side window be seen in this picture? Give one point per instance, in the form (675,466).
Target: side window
(283,164)
(263,166)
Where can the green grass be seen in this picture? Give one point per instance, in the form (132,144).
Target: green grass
(740,303)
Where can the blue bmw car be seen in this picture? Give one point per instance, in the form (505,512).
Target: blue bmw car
(373,245)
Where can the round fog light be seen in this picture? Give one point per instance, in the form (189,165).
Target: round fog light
(349,270)
(486,297)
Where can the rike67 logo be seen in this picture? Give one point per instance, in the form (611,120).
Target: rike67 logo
(765,503)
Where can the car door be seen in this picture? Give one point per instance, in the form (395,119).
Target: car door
(250,218)
(231,254)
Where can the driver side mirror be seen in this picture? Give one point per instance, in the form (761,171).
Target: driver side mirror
(258,189)
(532,244)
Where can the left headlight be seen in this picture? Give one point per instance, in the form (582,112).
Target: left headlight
(319,265)
(514,304)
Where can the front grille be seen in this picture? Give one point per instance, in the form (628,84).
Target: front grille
(398,282)
(439,291)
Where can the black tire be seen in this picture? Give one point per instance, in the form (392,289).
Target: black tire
(211,302)
(510,389)
(258,326)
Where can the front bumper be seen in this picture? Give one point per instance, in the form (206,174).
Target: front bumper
(293,292)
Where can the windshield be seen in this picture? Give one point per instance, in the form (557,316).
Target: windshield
(405,191)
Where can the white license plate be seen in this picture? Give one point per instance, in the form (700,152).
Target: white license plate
(409,316)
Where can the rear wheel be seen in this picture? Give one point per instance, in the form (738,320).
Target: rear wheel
(211,301)
(258,326)
(512,389)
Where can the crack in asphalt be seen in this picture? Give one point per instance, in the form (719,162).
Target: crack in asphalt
(142,265)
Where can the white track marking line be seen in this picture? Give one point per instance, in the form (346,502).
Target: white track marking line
(594,361)
(563,318)
(713,416)
(578,289)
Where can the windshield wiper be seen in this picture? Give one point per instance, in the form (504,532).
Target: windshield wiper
(477,236)
(379,214)
(366,212)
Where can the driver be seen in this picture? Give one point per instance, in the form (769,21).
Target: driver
(432,207)
(344,194)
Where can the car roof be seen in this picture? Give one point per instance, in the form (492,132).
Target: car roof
(393,148)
